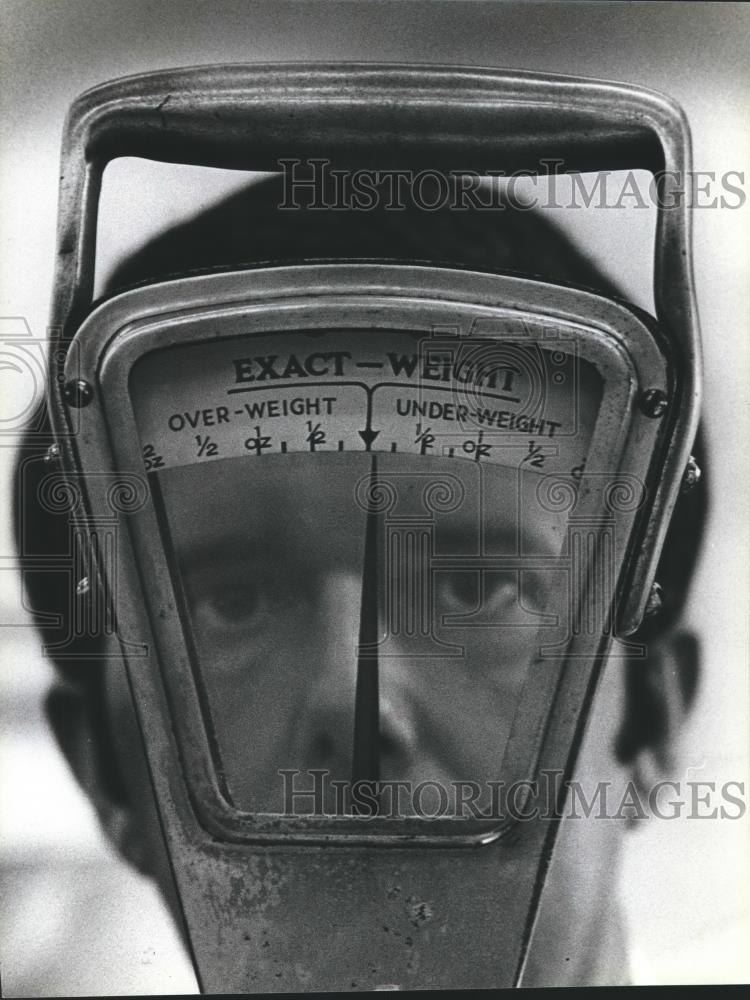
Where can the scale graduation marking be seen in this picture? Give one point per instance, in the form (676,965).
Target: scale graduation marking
(334,400)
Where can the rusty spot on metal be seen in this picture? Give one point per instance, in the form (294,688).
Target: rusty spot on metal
(420,913)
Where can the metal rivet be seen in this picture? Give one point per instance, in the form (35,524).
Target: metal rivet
(53,454)
(83,586)
(655,600)
(78,393)
(654,402)
(691,476)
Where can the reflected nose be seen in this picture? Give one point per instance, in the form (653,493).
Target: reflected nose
(326,731)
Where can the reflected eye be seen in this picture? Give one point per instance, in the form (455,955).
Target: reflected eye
(245,601)
(242,603)
(458,591)
(465,591)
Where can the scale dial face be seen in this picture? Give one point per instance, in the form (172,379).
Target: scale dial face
(360,391)
(270,455)
(384,508)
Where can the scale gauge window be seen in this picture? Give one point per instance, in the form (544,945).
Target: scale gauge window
(364,548)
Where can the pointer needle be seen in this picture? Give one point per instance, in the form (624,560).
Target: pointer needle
(366,753)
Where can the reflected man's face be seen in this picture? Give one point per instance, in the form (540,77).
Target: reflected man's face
(272,558)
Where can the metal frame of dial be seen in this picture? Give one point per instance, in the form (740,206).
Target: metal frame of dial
(346,296)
